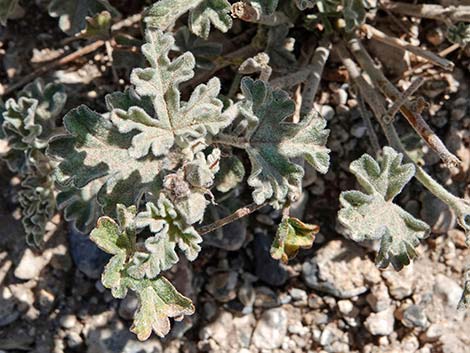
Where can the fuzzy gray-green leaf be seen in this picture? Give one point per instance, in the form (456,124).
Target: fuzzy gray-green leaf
(164,13)
(373,215)
(95,150)
(272,143)
(159,300)
(174,121)
(215,12)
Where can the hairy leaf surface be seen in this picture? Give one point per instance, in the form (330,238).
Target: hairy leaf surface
(95,150)
(373,215)
(207,13)
(158,299)
(174,121)
(272,143)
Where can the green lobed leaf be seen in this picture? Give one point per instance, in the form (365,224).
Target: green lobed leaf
(272,143)
(95,150)
(215,12)
(73,13)
(177,230)
(80,206)
(159,300)
(373,215)
(292,235)
(164,13)
(174,121)
(37,203)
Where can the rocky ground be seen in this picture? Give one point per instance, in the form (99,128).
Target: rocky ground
(331,298)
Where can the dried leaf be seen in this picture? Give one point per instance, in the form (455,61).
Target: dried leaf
(373,215)
(292,235)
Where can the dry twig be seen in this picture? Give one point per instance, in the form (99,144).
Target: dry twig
(391,92)
(240,213)
(380,36)
(435,12)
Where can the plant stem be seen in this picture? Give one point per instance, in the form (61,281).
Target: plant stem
(435,12)
(374,140)
(380,36)
(313,81)
(229,140)
(240,213)
(391,92)
(377,103)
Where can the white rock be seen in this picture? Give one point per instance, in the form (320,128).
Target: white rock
(30,265)
(271,329)
(381,323)
(448,289)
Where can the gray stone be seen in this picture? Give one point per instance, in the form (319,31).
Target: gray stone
(414,316)
(88,258)
(223,286)
(381,323)
(270,329)
(267,269)
(341,269)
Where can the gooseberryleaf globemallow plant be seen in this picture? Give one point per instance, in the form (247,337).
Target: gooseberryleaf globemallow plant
(151,162)
(141,176)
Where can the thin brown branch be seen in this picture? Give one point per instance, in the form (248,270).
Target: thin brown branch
(391,92)
(424,66)
(88,49)
(436,12)
(382,37)
(240,213)
(396,106)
